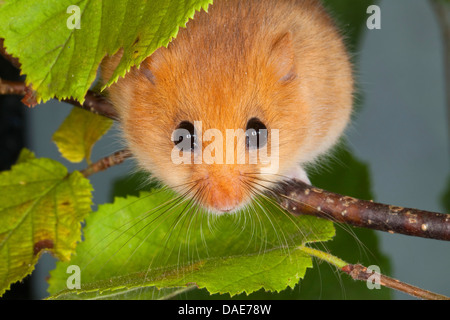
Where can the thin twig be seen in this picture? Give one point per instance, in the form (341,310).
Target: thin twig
(359,272)
(107,162)
(12,87)
(178,292)
(442,11)
(93,102)
(300,198)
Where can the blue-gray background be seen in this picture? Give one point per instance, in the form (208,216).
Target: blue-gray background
(401,132)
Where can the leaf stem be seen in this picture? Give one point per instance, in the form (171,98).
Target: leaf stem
(333,260)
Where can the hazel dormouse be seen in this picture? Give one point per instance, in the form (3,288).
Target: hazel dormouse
(245,79)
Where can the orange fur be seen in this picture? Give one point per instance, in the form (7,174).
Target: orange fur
(281,61)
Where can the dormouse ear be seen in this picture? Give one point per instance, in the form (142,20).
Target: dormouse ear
(148,74)
(282,57)
(145,69)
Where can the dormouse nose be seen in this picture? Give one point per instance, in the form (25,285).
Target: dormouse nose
(224,190)
(223,199)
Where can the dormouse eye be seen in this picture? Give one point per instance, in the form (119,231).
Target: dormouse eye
(185,137)
(256,134)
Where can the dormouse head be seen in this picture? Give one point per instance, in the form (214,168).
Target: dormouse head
(222,114)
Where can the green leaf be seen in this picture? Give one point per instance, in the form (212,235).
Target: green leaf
(79,132)
(41,207)
(61,61)
(132,184)
(129,246)
(25,155)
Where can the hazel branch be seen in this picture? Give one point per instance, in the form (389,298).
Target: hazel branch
(300,198)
